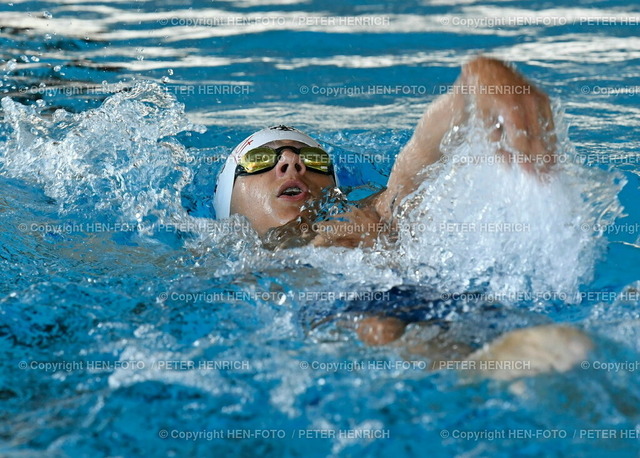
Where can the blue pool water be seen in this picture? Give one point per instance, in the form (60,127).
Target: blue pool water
(134,324)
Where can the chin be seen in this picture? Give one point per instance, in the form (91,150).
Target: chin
(287,215)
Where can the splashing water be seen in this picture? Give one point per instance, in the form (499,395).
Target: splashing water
(476,222)
(473,224)
(119,160)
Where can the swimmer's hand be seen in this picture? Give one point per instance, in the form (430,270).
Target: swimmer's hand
(515,112)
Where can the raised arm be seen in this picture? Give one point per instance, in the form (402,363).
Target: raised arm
(516,114)
(513,111)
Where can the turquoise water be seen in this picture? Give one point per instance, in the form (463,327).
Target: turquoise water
(132,323)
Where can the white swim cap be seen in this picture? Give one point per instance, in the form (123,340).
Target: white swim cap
(226,178)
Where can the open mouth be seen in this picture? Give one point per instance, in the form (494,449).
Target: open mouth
(293,190)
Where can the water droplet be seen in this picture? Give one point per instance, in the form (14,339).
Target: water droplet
(165,79)
(47,15)
(170,71)
(47,37)
(57,68)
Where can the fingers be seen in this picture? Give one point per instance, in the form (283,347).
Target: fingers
(517,115)
(536,142)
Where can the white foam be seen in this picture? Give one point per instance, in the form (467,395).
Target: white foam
(118,158)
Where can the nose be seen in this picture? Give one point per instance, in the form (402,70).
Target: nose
(289,163)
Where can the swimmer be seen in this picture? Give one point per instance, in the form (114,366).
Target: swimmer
(277,177)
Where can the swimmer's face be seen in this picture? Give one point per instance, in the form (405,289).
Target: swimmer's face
(274,198)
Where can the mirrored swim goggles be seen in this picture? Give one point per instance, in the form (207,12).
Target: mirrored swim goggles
(262,159)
